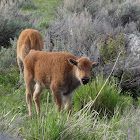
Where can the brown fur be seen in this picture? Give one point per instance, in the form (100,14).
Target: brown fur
(28,39)
(58,71)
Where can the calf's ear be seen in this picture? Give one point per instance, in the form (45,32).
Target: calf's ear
(94,64)
(72,61)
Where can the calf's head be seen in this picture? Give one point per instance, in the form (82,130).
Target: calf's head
(83,68)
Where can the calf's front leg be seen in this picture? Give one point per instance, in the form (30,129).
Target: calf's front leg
(67,100)
(57,97)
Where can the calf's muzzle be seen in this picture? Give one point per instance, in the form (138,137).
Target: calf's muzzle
(85,80)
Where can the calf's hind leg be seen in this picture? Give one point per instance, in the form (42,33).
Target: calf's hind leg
(36,97)
(29,98)
(29,84)
(21,67)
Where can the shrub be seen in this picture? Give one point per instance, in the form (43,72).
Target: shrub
(111,48)
(13,21)
(9,72)
(82,27)
(74,5)
(76,33)
(10,29)
(26,4)
(8,55)
(9,79)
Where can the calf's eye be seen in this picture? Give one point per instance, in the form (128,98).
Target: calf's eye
(79,68)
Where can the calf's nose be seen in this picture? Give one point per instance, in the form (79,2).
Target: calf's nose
(85,80)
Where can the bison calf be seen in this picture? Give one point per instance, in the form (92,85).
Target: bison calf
(28,39)
(61,72)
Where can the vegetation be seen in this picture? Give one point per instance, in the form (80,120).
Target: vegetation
(13,21)
(83,26)
(110,49)
(113,115)
(109,99)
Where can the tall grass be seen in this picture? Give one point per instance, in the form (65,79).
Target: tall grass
(109,99)
(90,126)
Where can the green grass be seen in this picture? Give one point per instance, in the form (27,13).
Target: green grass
(109,99)
(47,7)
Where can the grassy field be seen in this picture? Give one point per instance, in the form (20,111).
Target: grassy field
(47,8)
(44,10)
(112,115)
